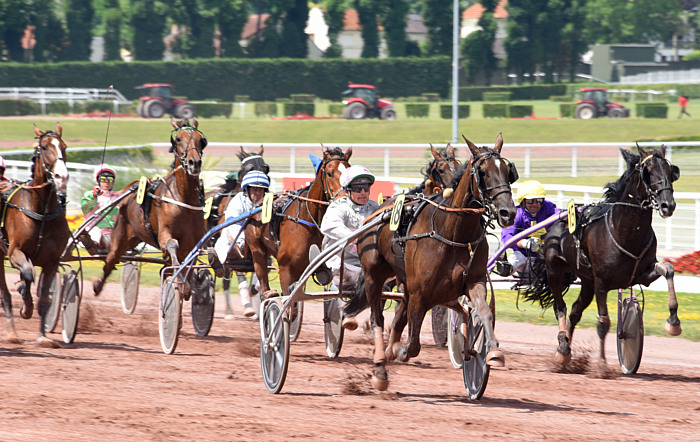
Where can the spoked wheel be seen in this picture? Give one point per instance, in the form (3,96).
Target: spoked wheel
(71,306)
(295,325)
(630,334)
(130,286)
(203,303)
(474,370)
(274,346)
(170,316)
(439,317)
(455,340)
(333,330)
(51,316)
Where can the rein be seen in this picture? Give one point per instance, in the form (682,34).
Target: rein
(170,200)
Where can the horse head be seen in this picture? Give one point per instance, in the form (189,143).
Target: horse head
(490,177)
(658,175)
(252,161)
(187,143)
(334,162)
(50,154)
(440,170)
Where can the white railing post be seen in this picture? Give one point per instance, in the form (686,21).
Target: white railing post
(620,165)
(527,162)
(669,234)
(697,225)
(574,162)
(669,153)
(292,159)
(387,158)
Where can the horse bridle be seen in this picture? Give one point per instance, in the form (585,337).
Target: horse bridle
(48,167)
(435,174)
(486,196)
(324,178)
(190,144)
(644,177)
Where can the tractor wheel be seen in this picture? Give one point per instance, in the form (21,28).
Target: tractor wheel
(184,111)
(139,110)
(355,111)
(388,114)
(586,111)
(154,109)
(616,113)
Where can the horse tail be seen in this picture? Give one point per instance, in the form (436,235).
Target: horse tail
(358,300)
(538,290)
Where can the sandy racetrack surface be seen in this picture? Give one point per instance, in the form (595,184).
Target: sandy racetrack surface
(114,382)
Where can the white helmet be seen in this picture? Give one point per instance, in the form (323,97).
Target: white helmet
(357,175)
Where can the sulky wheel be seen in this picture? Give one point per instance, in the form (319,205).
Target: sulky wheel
(203,303)
(274,345)
(170,315)
(455,340)
(474,370)
(333,330)
(295,324)
(51,316)
(71,306)
(439,320)
(630,335)
(130,286)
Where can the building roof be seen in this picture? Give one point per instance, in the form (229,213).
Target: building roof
(251,26)
(476,10)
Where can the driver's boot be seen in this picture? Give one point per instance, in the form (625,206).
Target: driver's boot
(323,274)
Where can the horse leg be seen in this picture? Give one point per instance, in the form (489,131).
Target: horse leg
(7,306)
(227,285)
(477,295)
(380,377)
(44,287)
(117,247)
(260,265)
(601,299)
(26,270)
(555,278)
(397,326)
(582,302)
(673,323)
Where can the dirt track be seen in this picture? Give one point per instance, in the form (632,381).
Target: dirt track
(114,382)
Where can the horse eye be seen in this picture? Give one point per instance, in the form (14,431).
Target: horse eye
(330,174)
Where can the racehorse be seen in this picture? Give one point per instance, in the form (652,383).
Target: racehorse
(34,227)
(440,171)
(170,216)
(613,247)
(299,218)
(441,255)
(221,198)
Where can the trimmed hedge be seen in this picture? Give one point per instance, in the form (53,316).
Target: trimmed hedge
(562,98)
(241,98)
(520,110)
(143,154)
(291,109)
(209,110)
(535,92)
(10,107)
(430,96)
(495,110)
(302,98)
(265,109)
(336,109)
(417,110)
(651,109)
(567,110)
(446,111)
(497,96)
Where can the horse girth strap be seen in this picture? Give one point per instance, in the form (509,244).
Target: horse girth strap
(433,234)
(176,202)
(29,213)
(637,259)
(293,195)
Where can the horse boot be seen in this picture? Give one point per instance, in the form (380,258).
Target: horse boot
(89,244)
(244,291)
(323,274)
(215,263)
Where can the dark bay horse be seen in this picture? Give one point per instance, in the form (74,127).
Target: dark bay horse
(440,171)
(440,256)
(613,247)
(298,218)
(170,217)
(34,225)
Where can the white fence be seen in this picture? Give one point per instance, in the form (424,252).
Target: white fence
(44,95)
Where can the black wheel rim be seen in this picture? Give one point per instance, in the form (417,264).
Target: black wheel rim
(455,340)
(71,307)
(274,357)
(333,330)
(630,339)
(474,369)
(169,318)
(130,286)
(439,321)
(203,304)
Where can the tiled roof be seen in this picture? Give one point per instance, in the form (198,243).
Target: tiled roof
(475,10)
(251,25)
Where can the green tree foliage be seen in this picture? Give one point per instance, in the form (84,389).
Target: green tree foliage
(79,22)
(522,47)
(148,25)
(393,18)
(367,13)
(197,17)
(232,17)
(49,32)
(293,42)
(477,47)
(623,21)
(335,12)
(437,17)
(112,17)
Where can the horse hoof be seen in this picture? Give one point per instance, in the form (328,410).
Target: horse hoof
(350,324)
(673,330)
(402,355)
(389,354)
(13,339)
(45,342)
(379,384)
(496,358)
(27,311)
(96,285)
(562,359)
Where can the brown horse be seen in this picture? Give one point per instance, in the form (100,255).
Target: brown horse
(299,218)
(440,171)
(170,217)
(441,255)
(613,247)
(35,226)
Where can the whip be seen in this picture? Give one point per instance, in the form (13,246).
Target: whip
(109,119)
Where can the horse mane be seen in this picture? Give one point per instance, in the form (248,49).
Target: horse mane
(458,176)
(614,191)
(228,185)
(335,152)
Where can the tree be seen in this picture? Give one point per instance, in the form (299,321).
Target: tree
(477,47)
(393,18)
(623,21)
(523,46)
(293,42)
(232,17)
(148,24)
(437,17)
(112,17)
(335,14)
(367,14)
(79,21)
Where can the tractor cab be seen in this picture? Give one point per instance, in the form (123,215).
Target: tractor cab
(157,99)
(597,96)
(594,103)
(361,101)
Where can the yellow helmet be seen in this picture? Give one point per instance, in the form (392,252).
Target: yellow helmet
(529,190)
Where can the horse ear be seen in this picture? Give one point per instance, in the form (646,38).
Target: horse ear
(434,152)
(195,123)
(450,151)
(262,150)
(38,131)
(173,123)
(348,153)
(642,153)
(472,146)
(627,155)
(662,150)
(59,129)
(324,149)
(243,153)
(499,143)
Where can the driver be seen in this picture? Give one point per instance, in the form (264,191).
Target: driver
(533,208)
(102,195)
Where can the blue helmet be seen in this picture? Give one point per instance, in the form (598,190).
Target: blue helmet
(255,178)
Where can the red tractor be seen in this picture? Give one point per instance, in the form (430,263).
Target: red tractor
(594,103)
(361,102)
(157,99)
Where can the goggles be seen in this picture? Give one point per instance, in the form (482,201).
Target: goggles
(536,200)
(357,188)
(106,179)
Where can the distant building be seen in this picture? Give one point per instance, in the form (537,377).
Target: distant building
(471,16)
